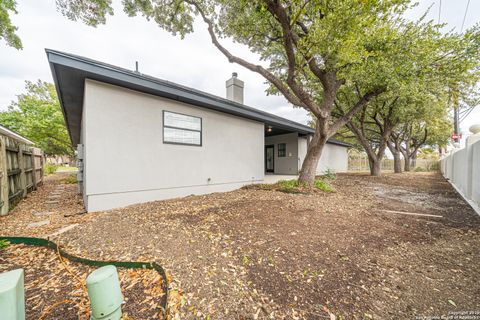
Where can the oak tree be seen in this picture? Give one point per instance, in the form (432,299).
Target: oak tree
(7,29)
(309,49)
(37,116)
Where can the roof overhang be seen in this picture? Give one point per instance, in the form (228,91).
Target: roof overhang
(70,71)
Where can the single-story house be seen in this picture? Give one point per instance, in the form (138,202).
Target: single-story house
(142,139)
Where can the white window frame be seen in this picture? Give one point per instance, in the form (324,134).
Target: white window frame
(184,129)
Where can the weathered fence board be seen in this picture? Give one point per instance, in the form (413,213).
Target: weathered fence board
(21,171)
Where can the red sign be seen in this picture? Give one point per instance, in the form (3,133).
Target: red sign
(456,136)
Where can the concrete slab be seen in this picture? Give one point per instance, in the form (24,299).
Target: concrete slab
(38,224)
(63,230)
(42,213)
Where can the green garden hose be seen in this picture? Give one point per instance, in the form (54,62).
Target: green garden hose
(96,263)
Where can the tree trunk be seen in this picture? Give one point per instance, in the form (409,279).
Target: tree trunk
(406,167)
(397,161)
(413,163)
(375,166)
(314,152)
(406,156)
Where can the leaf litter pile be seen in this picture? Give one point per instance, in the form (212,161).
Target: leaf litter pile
(394,247)
(55,287)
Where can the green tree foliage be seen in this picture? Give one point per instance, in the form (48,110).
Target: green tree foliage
(7,30)
(309,49)
(37,116)
(416,102)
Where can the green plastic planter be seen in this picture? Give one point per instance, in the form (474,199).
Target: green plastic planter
(12,295)
(105,294)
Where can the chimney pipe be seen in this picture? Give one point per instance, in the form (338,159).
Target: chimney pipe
(235,89)
(136,66)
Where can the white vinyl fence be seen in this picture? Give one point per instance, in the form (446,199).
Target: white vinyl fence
(462,168)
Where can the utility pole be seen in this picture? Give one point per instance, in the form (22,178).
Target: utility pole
(456,114)
(456,122)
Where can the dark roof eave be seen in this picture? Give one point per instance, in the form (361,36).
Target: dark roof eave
(136,81)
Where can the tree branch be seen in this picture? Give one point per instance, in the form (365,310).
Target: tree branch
(291,97)
(358,106)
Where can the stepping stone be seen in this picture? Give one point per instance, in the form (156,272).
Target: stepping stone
(74,214)
(54,196)
(38,224)
(51,202)
(42,213)
(64,229)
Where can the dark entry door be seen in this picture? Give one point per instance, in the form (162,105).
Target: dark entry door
(269,158)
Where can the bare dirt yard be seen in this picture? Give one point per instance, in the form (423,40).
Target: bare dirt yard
(265,254)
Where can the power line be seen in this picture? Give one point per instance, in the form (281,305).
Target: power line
(465,15)
(466,114)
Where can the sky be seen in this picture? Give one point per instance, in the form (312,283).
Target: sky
(192,62)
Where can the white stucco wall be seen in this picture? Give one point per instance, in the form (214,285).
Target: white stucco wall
(302,151)
(288,164)
(127,162)
(333,157)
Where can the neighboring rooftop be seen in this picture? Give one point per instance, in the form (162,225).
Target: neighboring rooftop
(70,71)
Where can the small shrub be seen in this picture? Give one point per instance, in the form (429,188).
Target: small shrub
(4,244)
(71,179)
(420,169)
(434,166)
(287,185)
(323,185)
(330,174)
(49,168)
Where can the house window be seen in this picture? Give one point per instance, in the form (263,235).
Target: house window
(182,129)
(282,150)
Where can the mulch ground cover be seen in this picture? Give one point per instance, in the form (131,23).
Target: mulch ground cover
(55,288)
(35,208)
(265,254)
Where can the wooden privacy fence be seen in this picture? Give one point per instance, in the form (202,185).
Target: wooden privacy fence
(21,171)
